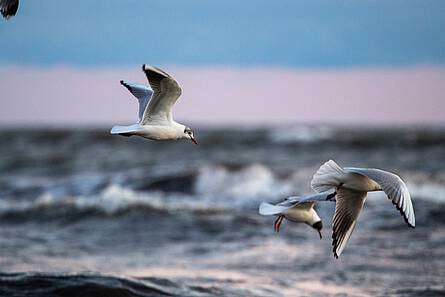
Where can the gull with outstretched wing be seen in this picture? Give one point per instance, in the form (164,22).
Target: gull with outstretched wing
(155,108)
(351,186)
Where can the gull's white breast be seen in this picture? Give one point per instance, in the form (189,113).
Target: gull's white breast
(161,132)
(301,215)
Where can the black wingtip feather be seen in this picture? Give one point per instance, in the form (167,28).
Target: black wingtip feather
(125,85)
(10,10)
(334,245)
(403,214)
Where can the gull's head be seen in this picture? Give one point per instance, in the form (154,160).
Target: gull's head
(188,134)
(318,226)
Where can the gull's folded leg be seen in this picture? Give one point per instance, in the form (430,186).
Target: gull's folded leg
(278,222)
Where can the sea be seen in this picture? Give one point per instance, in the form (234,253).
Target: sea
(85,213)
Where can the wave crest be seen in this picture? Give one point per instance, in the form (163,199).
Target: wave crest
(240,187)
(214,188)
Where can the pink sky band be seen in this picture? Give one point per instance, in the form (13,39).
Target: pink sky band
(225,95)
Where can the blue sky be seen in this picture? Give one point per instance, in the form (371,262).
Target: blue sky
(290,33)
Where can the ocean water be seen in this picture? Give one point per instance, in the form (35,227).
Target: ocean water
(84,213)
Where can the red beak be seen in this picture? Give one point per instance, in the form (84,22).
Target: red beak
(194,141)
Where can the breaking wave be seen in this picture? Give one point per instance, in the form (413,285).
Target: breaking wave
(213,188)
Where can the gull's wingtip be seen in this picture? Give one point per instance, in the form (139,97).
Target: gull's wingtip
(126,85)
(10,10)
(146,67)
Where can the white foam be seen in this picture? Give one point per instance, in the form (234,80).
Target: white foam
(216,188)
(116,198)
(112,199)
(241,187)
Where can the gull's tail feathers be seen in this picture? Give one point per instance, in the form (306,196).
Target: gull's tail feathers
(125,130)
(326,177)
(267,209)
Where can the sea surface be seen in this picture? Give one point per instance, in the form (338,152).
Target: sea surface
(84,213)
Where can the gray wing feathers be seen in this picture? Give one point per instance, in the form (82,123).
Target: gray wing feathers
(8,8)
(142,93)
(166,93)
(303,202)
(309,198)
(304,205)
(347,209)
(394,188)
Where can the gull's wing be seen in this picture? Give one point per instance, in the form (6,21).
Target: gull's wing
(267,209)
(9,8)
(394,188)
(347,209)
(166,92)
(327,177)
(142,93)
(305,205)
(294,200)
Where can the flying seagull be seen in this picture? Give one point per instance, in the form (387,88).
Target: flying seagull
(155,108)
(351,186)
(297,210)
(8,8)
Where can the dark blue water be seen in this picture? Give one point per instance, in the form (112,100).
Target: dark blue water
(84,213)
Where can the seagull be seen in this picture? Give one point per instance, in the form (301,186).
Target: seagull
(297,209)
(155,108)
(8,8)
(351,186)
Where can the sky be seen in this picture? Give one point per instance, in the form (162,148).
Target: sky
(334,46)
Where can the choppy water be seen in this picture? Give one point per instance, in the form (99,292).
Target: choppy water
(84,213)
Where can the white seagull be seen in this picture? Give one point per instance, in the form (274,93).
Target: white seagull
(297,210)
(155,108)
(351,186)
(8,8)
